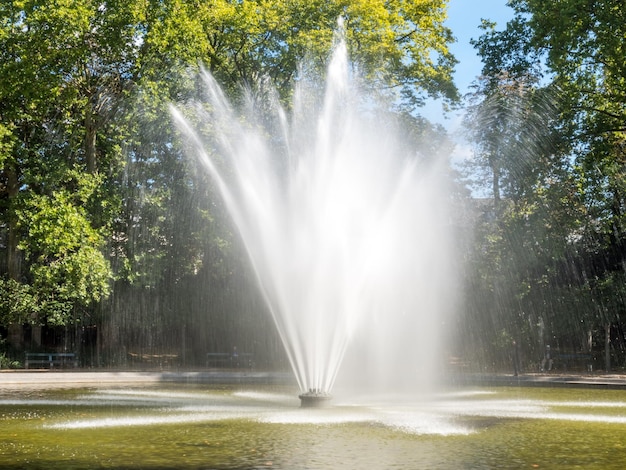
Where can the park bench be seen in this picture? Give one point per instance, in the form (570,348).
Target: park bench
(573,361)
(229,360)
(157,360)
(50,360)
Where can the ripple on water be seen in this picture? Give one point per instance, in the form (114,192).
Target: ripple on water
(449,415)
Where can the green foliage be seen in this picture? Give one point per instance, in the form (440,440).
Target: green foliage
(5,361)
(402,44)
(19,303)
(67,263)
(8,363)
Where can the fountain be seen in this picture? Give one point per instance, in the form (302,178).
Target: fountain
(344,223)
(314,398)
(347,233)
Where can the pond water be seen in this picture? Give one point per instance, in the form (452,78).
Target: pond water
(226,427)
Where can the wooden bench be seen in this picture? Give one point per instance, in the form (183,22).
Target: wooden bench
(230,360)
(573,361)
(159,360)
(50,360)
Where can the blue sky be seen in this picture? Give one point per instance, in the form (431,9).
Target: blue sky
(463,19)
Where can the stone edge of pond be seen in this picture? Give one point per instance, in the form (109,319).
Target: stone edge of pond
(608,381)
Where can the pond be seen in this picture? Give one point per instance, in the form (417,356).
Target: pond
(258,427)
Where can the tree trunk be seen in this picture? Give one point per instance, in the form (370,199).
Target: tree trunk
(607,348)
(90,141)
(495,184)
(13,255)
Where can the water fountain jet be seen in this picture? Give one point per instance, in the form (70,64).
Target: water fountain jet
(344,225)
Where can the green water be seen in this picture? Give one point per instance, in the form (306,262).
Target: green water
(193,427)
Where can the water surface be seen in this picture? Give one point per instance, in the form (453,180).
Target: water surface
(203,427)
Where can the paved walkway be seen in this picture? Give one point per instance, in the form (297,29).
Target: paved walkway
(47,378)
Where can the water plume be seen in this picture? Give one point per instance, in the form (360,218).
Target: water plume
(345,225)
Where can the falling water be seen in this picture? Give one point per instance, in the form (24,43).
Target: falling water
(344,225)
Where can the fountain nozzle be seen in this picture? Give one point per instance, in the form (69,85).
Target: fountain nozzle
(314,398)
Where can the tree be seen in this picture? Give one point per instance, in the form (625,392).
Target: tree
(579,64)
(68,269)
(522,236)
(56,207)
(586,55)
